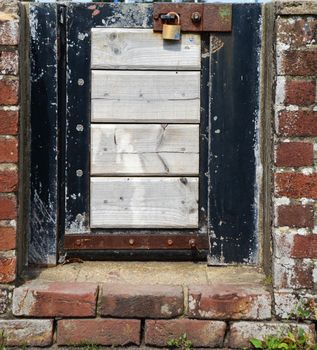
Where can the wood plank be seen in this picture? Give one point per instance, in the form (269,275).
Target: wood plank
(145,96)
(120,48)
(132,202)
(143,149)
(43,167)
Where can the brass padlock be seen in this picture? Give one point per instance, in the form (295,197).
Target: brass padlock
(172,31)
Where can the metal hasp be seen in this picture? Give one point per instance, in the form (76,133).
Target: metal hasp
(195,17)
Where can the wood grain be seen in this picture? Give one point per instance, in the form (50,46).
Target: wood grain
(132,202)
(143,149)
(120,48)
(145,96)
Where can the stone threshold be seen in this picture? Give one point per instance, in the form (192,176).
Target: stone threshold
(149,272)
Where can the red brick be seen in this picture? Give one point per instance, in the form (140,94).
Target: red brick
(8,180)
(241,332)
(27,332)
(107,332)
(300,92)
(9,91)
(141,301)
(7,238)
(8,208)
(224,302)
(9,62)
(299,63)
(200,333)
(8,150)
(305,247)
(9,29)
(296,185)
(295,216)
(298,123)
(7,269)
(55,299)
(294,154)
(296,32)
(9,122)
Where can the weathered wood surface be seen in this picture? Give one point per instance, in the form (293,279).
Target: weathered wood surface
(43,212)
(120,48)
(118,202)
(145,96)
(143,149)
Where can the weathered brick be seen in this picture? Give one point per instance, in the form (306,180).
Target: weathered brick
(8,122)
(297,8)
(294,154)
(9,6)
(298,123)
(55,299)
(8,208)
(292,274)
(7,238)
(282,243)
(299,63)
(229,302)
(142,301)
(8,150)
(200,332)
(9,91)
(9,62)
(300,92)
(296,32)
(7,269)
(5,300)
(27,332)
(285,303)
(305,246)
(296,185)
(295,216)
(241,332)
(9,29)
(107,332)
(288,303)
(8,180)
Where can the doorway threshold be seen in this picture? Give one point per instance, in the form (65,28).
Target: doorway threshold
(149,272)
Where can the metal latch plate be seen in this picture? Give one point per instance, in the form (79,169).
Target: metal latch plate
(213,17)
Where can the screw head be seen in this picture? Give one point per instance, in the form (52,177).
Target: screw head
(170,242)
(196,17)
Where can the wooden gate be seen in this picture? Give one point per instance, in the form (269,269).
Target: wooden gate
(142,148)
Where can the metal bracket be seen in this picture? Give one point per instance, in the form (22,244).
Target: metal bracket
(195,17)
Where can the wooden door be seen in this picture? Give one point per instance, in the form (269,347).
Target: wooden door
(153,145)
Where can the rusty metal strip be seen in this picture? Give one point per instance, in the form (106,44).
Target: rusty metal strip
(135,242)
(195,17)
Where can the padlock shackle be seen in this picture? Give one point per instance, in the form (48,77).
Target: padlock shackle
(177,16)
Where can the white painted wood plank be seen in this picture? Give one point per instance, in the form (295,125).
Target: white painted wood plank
(145,96)
(123,202)
(119,48)
(144,149)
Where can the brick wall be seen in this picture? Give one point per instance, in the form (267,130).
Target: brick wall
(9,114)
(295,231)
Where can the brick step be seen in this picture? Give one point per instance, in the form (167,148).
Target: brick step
(63,299)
